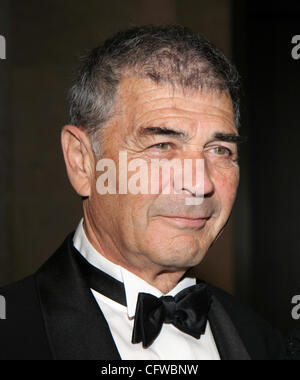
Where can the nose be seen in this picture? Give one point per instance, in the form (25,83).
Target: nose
(197,181)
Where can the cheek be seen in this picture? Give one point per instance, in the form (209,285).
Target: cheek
(226,184)
(133,220)
(132,212)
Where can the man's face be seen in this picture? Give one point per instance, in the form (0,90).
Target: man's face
(157,122)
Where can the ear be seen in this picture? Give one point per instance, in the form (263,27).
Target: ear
(79,159)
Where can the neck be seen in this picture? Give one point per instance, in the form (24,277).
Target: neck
(163,279)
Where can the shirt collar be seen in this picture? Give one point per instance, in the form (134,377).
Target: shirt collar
(133,284)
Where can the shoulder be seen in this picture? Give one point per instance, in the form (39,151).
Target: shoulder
(260,338)
(21,299)
(20,287)
(22,331)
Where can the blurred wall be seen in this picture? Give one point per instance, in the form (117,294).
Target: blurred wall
(46,39)
(5,149)
(271,77)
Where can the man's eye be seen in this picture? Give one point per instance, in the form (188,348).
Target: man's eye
(162,146)
(221,151)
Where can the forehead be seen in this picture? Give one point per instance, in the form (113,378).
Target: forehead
(141,102)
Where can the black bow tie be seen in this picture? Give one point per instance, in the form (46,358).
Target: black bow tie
(187,311)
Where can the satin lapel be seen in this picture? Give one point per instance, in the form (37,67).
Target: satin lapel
(76,327)
(227,339)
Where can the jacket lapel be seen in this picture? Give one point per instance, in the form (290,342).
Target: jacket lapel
(227,339)
(75,326)
(77,329)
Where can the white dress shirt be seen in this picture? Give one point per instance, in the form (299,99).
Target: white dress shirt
(171,344)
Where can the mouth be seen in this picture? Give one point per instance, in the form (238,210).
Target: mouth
(184,222)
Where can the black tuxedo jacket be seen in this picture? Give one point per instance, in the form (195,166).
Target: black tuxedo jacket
(53,315)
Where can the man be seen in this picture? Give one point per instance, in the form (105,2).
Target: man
(120,286)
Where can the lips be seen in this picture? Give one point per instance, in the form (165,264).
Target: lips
(186,221)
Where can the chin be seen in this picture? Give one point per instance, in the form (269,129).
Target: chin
(182,257)
(178,264)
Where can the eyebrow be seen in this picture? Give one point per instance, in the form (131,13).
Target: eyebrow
(164,131)
(230,137)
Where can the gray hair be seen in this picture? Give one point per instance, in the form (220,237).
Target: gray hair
(170,54)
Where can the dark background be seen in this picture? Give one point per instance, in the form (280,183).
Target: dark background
(258,257)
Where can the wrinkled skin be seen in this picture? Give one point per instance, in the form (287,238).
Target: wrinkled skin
(157,236)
